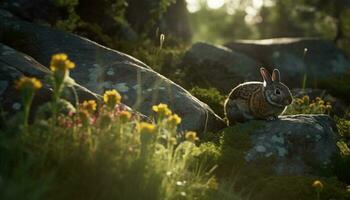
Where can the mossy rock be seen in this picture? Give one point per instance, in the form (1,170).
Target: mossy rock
(258,178)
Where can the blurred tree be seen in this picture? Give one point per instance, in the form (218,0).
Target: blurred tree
(244,19)
(109,22)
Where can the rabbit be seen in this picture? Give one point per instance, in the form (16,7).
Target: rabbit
(258,100)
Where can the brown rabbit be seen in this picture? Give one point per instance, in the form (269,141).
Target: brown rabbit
(258,100)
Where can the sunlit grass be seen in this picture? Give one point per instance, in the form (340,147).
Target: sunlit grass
(101,150)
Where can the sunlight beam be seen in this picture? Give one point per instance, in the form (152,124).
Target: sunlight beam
(215,4)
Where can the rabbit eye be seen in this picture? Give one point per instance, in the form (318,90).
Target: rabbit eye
(277,91)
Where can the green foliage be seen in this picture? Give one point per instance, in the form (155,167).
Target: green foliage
(298,187)
(73,20)
(304,105)
(108,22)
(210,96)
(75,161)
(98,152)
(207,155)
(341,167)
(343,125)
(163,60)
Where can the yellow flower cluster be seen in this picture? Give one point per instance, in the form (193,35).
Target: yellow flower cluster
(319,102)
(89,106)
(162,109)
(28,83)
(111,98)
(147,128)
(191,136)
(173,120)
(306,106)
(60,62)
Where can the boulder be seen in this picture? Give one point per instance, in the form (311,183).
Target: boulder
(208,65)
(99,69)
(42,42)
(317,61)
(14,64)
(291,145)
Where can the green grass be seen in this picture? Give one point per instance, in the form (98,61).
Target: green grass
(96,150)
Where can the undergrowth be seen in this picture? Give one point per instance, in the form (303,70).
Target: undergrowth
(99,149)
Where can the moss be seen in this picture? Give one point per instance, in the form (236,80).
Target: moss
(257,180)
(341,168)
(210,96)
(212,137)
(297,187)
(236,142)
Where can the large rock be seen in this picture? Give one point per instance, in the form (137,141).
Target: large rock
(99,68)
(316,60)
(291,145)
(216,66)
(13,65)
(42,42)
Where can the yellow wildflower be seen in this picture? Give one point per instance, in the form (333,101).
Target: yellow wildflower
(162,109)
(191,136)
(306,99)
(147,128)
(299,101)
(320,102)
(27,82)
(89,105)
(124,116)
(348,188)
(173,120)
(318,185)
(60,62)
(111,98)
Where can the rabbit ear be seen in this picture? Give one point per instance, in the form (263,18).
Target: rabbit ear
(276,75)
(266,75)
